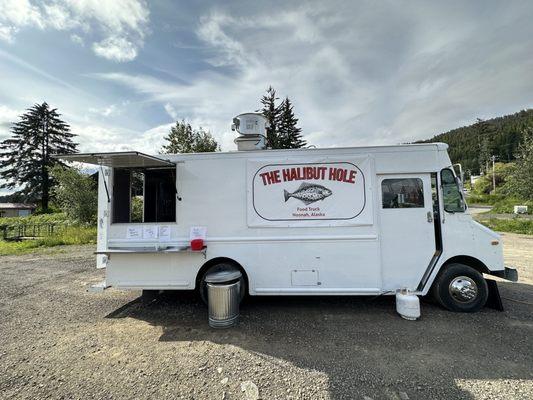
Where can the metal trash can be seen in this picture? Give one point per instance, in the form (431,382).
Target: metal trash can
(223,297)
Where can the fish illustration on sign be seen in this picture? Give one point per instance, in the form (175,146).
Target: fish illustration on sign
(309,193)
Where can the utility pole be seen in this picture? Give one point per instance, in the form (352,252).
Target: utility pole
(493,158)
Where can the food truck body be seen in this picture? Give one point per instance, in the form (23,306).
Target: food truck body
(342,221)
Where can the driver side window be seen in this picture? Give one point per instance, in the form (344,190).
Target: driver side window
(451,194)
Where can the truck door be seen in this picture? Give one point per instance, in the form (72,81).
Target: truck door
(407,231)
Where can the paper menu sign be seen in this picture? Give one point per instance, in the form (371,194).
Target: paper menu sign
(150,232)
(198,232)
(133,232)
(164,233)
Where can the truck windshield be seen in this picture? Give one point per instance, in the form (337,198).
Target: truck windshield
(452,197)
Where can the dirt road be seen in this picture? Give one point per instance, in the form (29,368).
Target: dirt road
(58,341)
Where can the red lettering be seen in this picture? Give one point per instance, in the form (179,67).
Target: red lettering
(309,173)
(263,175)
(332,172)
(340,174)
(270,177)
(294,174)
(352,176)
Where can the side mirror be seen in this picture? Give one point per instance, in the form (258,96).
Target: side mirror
(459,183)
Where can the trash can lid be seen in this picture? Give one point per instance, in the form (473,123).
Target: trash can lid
(223,276)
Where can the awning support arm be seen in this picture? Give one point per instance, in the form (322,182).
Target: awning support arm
(176,185)
(105,184)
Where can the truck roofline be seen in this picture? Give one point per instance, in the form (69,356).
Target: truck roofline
(436,146)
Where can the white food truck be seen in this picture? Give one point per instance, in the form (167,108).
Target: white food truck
(338,221)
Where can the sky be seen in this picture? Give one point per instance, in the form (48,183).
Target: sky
(358,72)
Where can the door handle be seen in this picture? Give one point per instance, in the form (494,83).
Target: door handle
(430,216)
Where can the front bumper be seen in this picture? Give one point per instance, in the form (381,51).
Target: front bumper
(511,274)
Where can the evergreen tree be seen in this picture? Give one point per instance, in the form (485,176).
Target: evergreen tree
(485,132)
(184,139)
(289,134)
(180,139)
(205,142)
(521,180)
(271,113)
(506,133)
(26,159)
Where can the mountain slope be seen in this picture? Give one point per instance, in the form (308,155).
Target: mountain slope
(471,145)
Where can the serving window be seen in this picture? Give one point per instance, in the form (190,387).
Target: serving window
(144,195)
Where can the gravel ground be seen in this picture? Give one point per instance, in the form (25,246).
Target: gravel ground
(58,341)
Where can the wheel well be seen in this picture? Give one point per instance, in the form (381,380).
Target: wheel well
(220,260)
(467,260)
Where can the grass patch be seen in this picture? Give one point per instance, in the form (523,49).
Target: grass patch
(484,199)
(69,235)
(506,206)
(514,225)
(55,218)
(501,204)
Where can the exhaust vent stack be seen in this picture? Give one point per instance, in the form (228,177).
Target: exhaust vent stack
(252,131)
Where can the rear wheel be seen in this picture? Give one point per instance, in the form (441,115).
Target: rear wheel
(461,288)
(202,287)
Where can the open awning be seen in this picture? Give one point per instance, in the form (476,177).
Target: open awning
(120,159)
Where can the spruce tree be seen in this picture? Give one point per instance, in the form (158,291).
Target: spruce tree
(180,139)
(485,132)
(205,142)
(25,158)
(184,139)
(271,113)
(521,179)
(289,134)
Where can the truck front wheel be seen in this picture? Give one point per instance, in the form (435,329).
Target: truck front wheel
(460,288)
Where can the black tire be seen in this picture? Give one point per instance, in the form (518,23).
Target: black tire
(460,288)
(202,286)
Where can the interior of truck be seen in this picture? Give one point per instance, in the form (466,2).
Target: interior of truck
(144,195)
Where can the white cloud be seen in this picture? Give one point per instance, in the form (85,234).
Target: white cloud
(77,39)
(108,111)
(357,74)
(21,13)
(58,16)
(171,111)
(121,24)
(365,75)
(211,30)
(115,49)
(93,138)
(320,82)
(7,33)
(7,117)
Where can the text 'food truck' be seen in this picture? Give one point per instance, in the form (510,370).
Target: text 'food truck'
(339,221)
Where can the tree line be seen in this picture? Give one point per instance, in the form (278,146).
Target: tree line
(473,146)
(27,164)
(283,132)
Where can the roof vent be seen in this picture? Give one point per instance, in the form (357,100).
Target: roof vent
(252,129)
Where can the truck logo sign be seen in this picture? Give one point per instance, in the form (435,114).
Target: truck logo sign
(321,193)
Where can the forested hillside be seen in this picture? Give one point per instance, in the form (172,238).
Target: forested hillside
(473,145)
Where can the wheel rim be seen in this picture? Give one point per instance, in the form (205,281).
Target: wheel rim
(463,289)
